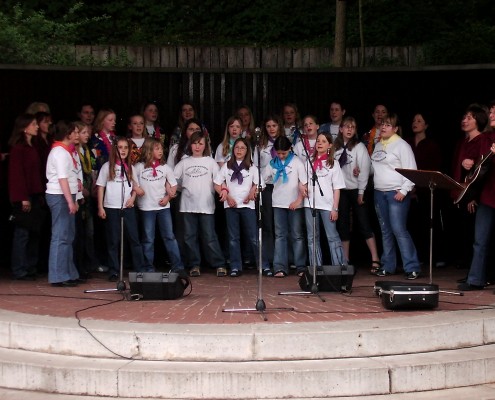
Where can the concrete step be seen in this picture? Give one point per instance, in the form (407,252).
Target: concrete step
(75,375)
(481,392)
(227,343)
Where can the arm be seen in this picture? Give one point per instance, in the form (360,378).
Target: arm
(101,210)
(64,185)
(334,214)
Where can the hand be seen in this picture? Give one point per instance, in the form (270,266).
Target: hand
(471,207)
(26,206)
(164,201)
(334,215)
(138,190)
(356,171)
(467,164)
(73,207)
(399,196)
(101,213)
(360,199)
(231,202)
(129,203)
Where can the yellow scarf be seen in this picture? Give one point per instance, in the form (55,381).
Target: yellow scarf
(391,139)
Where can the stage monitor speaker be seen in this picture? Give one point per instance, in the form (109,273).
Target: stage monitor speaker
(329,278)
(157,285)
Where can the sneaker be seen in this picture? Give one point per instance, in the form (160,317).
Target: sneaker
(382,272)
(412,275)
(102,268)
(195,271)
(113,278)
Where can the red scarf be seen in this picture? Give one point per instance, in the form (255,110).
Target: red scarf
(318,164)
(126,167)
(307,145)
(106,140)
(155,164)
(68,149)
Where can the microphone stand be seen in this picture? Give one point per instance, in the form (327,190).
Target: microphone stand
(121,285)
(260,303)
(314,178)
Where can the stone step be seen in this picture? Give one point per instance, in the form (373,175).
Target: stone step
(75,375)
(227,343)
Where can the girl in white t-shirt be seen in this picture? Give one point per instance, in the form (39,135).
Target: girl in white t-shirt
(289,180)
(323,199)
(236,184)
(197,205)
(305,146)
(116,196)
(158,182)
(62,186)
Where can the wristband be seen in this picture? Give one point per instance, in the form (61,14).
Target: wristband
(226,189)
(335,209)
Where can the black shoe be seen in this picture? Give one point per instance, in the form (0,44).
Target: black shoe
(381,272)
(462,280)
(466,287)
(78,280)
(65,284)
(412,275)
(113,278)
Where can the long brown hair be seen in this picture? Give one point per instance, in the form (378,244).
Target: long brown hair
(112,160)
(21,123)
(147,151)
(331,153)
(339,140)
(247,158)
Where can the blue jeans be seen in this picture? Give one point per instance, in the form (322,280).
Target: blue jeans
(132,235)
(201,227)
(392,216)
(61,259)
(485,219)
(333,238)
(289,223)
(163,218)
(242,220)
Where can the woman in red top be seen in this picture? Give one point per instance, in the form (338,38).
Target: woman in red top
(26,195)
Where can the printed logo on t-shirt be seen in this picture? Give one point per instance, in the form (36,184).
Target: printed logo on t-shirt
(196,171)
(147,175)
(379,155)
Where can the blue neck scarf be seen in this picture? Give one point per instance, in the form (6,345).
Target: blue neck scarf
(280,167)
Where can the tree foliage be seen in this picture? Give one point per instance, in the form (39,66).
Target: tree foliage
(454,31)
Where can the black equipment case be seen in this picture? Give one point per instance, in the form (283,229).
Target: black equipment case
(407,295)
(157,285)
(329,278)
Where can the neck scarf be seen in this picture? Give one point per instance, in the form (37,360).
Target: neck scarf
(68,149)
(372,141)
(237,168)
(391,139)
(106,140)
(307,145)
(280,167)
(296,136)
(85,156)
(343,157)
(318,164)
(155,164)
(126,167)
(273,152)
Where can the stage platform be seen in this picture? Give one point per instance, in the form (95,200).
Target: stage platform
(65,342)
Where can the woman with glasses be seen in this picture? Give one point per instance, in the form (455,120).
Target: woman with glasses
(392,198)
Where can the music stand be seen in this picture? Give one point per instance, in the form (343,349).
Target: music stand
(432,180)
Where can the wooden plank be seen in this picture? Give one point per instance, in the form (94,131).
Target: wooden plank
(155,57)
(285,58)
(269,57)
(182,61)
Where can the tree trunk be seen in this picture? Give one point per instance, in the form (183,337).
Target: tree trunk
(339,50)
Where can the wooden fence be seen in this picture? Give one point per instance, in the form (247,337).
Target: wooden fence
(242,58)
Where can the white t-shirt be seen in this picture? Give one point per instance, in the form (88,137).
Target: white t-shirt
(153,186)
(286,193)
(196,174)
(219,157)
(266,157)
(329,179)
(171,156)
(236,191)
(59,165)
(385,160)
(113,189)
(357,157)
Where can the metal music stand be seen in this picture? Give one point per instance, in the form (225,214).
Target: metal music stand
(433,180)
